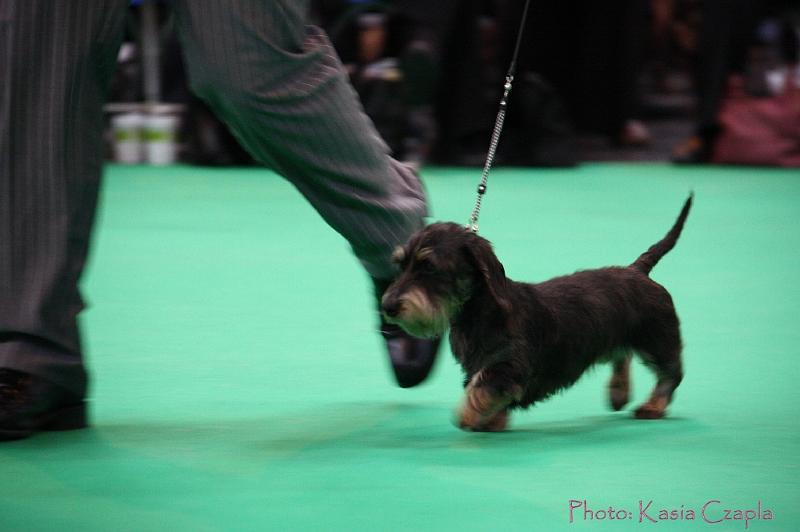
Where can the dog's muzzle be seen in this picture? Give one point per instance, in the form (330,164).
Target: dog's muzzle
(413,311)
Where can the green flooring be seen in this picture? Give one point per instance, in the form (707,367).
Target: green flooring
(239,383)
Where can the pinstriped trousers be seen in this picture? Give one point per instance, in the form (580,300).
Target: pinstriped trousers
(275,81)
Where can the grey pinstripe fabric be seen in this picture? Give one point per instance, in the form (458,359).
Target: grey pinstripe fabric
(55,63)
(284,94)
(275,81)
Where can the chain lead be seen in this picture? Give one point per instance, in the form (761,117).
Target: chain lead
(498,126)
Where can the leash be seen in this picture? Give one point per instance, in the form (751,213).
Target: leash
(498,125)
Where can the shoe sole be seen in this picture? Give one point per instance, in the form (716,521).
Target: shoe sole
(71,417)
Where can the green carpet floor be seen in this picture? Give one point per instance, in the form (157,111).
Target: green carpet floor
(239,383)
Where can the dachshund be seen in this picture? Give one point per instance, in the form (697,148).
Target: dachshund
(520,343)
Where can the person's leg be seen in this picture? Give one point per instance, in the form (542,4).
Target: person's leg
(56,59)
(280,87)
(724,35)
(725,32)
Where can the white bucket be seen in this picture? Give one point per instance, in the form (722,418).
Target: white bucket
(127,131)
(160,139)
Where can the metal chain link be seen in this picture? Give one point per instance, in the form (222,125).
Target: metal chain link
(472,225)
(498,128)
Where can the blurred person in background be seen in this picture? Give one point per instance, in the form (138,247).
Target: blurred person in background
(727,36)
(416,67)
(591,53)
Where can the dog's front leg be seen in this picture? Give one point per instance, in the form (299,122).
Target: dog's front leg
(488,395)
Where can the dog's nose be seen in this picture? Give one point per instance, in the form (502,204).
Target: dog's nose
(391,306)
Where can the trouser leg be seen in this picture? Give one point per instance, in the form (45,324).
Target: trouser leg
(56,60)
(724,35)
(281,89)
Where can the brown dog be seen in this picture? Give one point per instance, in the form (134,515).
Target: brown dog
(520,343)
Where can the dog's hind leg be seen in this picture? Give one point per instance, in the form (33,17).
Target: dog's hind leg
(620,384)
(668,368)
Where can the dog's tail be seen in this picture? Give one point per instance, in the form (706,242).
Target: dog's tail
(650,258)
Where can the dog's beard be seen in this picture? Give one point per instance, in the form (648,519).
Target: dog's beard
(420,317)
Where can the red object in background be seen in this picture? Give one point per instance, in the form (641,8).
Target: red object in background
(760,130)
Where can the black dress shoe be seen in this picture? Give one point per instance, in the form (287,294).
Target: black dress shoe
(411,358)
(29,404)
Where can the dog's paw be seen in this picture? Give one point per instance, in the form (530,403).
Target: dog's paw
(479,408)
(497,423)
(619,388)
(468,418)
(652,409)
(471,420)
(618,398)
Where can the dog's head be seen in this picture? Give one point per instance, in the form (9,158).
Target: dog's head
(441,268)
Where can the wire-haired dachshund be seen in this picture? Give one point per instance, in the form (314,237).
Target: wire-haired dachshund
(520,343)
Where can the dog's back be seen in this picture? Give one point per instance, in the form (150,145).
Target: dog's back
(604,314)
(597,315)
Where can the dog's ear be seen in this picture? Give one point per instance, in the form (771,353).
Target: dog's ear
(492,273)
